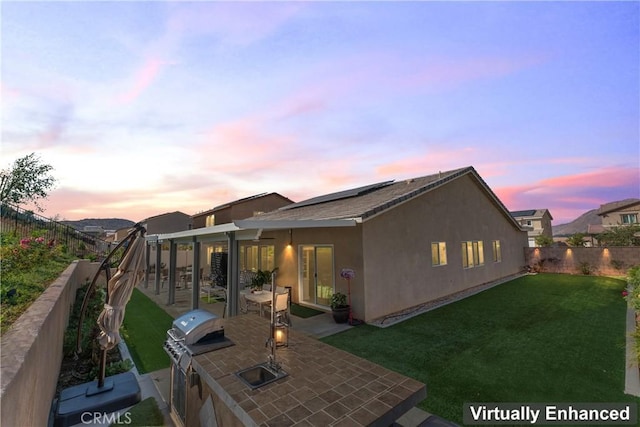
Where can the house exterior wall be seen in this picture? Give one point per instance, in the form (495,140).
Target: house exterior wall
(347,250)
(241,210)
(121,234)
(540,226)
(168,223)
(614,218)
(398,271)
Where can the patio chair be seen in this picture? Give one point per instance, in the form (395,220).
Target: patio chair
(247,306)
(246,276)
(217,292)
(282,309)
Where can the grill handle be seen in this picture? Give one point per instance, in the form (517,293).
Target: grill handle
(172,334)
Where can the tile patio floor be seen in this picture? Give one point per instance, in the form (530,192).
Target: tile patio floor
(157,383)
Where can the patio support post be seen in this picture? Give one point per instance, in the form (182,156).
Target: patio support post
(195,275)
(147,255)
(158,275)
(233,278)
(173,259)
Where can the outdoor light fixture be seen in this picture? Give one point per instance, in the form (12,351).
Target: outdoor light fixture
(281,335)
(290,238)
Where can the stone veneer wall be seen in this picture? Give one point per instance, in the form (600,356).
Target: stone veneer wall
(610,261)
(32,350)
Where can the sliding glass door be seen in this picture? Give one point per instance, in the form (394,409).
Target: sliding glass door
(316,274)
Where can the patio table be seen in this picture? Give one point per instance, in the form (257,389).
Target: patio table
(262,298)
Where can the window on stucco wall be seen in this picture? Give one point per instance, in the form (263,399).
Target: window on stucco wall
(472,254)
(497,252)
(254,257)
(438,253)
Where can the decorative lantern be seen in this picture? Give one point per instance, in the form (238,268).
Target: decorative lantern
(281,337)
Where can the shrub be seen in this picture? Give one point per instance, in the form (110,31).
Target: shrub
(586,268)
(618,265)
(112,369)
(633,287)
(576,239)
(28,265)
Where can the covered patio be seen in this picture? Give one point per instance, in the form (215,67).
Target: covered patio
(228,237)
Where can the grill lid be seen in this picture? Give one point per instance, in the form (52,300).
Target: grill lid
(195,325)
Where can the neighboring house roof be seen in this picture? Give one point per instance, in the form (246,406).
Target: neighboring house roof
(243,200)
(365,202)
(163,215)
(616,206)
(531,213)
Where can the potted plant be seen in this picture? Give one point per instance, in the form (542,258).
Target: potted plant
(339,307)
(261,278)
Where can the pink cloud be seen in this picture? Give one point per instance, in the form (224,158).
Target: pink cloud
(245,143)
(569,196)
(142,79)
(72,204)
(444,72)
(232,23)
(8,93)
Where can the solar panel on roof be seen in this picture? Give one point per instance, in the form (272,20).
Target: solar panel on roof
(523,213)
(338,196)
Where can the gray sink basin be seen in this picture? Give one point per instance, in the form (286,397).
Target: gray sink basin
(259,375)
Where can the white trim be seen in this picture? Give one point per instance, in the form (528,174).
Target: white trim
(315,246)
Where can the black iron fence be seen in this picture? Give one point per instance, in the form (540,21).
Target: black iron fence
(24,223)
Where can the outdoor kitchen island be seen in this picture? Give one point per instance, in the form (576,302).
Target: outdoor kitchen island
(324,386)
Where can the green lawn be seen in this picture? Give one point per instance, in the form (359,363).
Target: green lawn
(145,330)
(541,338)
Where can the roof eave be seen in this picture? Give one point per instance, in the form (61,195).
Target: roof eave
(282,224)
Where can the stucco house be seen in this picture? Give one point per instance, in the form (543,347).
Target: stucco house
(167,222)
(614,214)
(409,242)
(240,209)
(537,222)
(624,212)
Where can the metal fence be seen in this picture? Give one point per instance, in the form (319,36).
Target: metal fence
(24,223)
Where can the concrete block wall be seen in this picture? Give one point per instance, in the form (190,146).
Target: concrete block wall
(32,350)
(600,261)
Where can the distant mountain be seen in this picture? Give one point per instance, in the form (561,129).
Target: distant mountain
(578,225)
(105,223)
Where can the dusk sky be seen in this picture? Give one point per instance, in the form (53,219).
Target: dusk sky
(150,107)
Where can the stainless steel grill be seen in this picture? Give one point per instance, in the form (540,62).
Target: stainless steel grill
(193,333)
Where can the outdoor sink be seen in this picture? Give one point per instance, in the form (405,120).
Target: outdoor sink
(260,375)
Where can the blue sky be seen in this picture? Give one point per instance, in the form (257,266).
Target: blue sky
(150,107)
